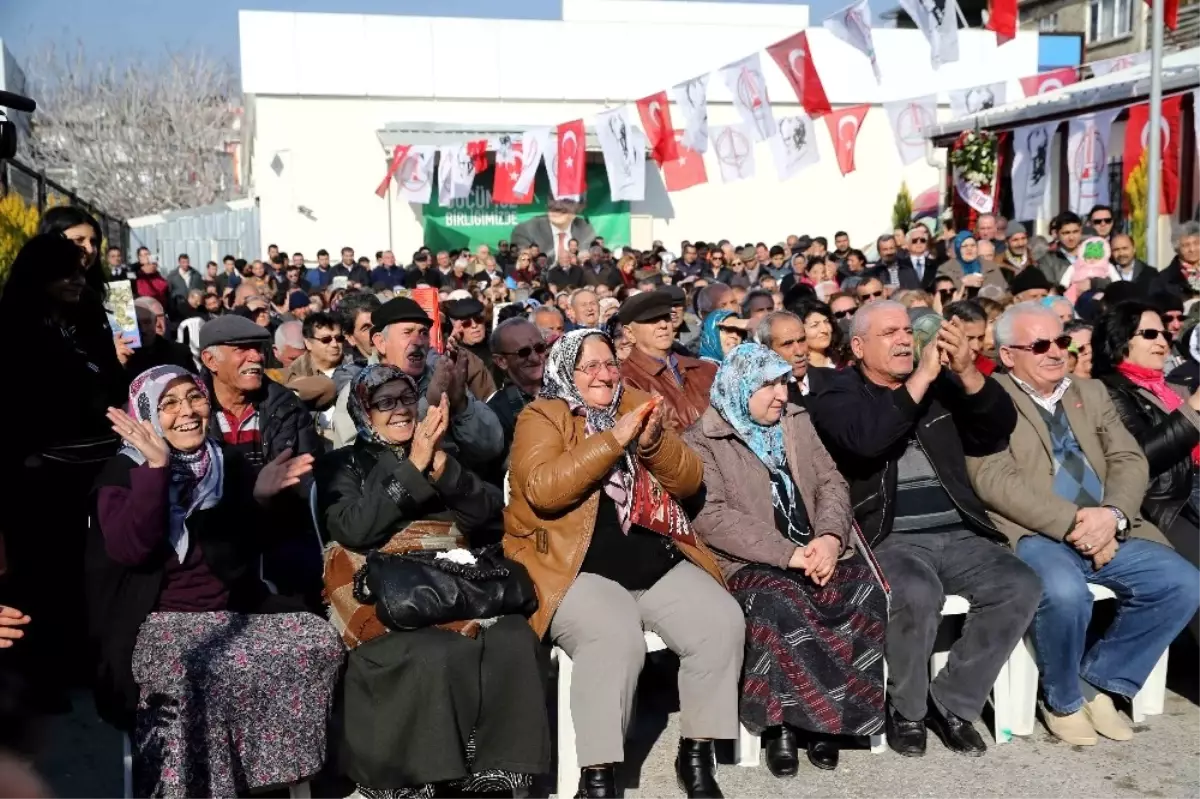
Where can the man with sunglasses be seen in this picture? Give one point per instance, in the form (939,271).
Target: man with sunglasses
(466,323)
(518,353)
(1067,492)
(311,375)
(870,290)
(1101,219)
(924,264)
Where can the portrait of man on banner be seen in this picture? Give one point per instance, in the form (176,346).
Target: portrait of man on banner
(552,230)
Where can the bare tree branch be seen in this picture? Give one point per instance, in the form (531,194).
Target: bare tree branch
(134,139)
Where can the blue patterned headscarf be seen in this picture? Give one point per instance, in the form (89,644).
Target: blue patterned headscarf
(971,267)
(746,369)
(710,336)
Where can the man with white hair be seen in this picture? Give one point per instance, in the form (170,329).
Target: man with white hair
(1067,492)
(900,427)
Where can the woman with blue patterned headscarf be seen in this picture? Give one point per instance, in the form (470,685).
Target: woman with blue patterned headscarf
(777,515)
(721,332)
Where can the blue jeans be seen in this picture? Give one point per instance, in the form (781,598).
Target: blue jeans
(1157,593)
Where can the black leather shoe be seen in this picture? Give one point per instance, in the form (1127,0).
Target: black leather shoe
(823,754)
(783,758)
(696,769)
(957,735)
(597,783)
(905,737)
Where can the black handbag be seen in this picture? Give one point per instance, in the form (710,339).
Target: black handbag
(415,590)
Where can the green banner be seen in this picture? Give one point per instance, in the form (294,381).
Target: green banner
(476,220)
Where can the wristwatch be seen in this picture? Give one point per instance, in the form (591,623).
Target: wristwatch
(1122,522)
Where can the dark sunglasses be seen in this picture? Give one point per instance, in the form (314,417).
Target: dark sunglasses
(945,294)
(1042,346)
(871,295)
(1102,220)
(844,314)
(524,353)
(1152,334)
(918,241)
(326,340)
(1173,316)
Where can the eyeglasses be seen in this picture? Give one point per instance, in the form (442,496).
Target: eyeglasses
(173,405)
(594,368)
(326,340)
(945,294)
(1152,334)
(472,321)
(1102,220)
(388,404)
(844,314)
(870,295)
(735,263)
(918,241)
(1042,346)
(524,353)
(1173,316)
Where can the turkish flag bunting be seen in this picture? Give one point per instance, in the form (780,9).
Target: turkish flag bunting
(655,112)
(477,151)
(572,159)
(1137,141)
(1002,19)
(844,125)
(795,59)
(686,169)
(1049,81)
(1170,13)
(398,153)
(505,179)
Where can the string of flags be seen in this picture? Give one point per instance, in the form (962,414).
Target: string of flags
(627,133)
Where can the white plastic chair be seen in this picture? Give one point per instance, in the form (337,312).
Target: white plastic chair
(568,759)
(1023,674)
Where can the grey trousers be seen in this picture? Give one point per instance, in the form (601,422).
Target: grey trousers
(600,625)
(922,568)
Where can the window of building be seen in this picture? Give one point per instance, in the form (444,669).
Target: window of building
(1109,19)
(1048,23)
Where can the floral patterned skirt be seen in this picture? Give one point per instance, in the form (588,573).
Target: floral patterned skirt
(231,701)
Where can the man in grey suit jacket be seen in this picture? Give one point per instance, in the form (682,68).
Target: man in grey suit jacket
(553,231)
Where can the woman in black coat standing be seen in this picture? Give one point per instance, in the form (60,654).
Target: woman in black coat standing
(461,708)
(1130,346)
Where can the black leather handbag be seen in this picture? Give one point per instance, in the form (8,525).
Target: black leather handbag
(415,590)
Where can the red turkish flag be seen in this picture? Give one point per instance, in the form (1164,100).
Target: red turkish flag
(1137,140)
(655,112)
(1170,13)
(398,153)
(505,179)
(843,129)
(795,59)
(1002,18)
(572,159)
(477,151)
(686,170)
(1049,81)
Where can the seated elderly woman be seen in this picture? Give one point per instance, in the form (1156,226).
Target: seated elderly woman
(1129,347)
(459,707)
(720,333)
(219,696)
(776,513)
(593,517)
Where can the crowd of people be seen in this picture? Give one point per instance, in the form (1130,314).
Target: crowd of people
(781,459)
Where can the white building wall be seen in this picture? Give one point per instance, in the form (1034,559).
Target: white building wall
(320,111)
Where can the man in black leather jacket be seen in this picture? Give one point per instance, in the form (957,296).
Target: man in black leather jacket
(900,435)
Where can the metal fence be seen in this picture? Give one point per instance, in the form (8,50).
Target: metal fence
(207,233)
(42,193)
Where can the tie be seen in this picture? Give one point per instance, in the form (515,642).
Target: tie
(561,244)
(919,265)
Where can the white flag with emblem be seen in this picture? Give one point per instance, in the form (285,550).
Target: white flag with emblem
(456,173)
(910,119)
(1087,159)
(938,20)
(748,86)
(692,98)
(795,146)
(624,150)
(533,147)
(734,148)
(853,26)
(964,102)
(1031,169)
(414,177)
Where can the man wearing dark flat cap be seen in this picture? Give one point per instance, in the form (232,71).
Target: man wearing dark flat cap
(653,366)
(401,339)
(464,321)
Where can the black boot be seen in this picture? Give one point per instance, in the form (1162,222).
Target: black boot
(905,737)
(783,758)
(597,782)
(823,752)
(696,769)
(956,734)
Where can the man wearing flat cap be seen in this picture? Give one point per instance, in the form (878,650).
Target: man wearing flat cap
(653,366)
(401,339)
(464,321)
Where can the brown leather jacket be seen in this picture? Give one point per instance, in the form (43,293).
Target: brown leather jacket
(555,483)
(651,375)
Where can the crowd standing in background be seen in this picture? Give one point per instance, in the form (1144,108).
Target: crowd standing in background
(781,458)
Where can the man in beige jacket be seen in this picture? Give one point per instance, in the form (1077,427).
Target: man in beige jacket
(1066,492)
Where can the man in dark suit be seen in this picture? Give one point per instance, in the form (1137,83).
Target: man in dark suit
(1128,268)
(893,267)
(552,232)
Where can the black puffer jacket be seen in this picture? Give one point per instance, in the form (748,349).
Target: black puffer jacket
(1167,440)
